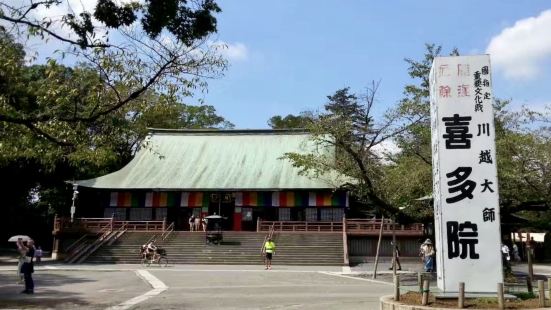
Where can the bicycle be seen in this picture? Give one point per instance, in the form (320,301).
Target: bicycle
(159,258)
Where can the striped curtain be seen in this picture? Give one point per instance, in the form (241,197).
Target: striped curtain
(325,199)
(253,199)
(123,200)
(191,199)
(289,199)
(160,199)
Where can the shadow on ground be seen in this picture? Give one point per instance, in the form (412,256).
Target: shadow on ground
(46,294)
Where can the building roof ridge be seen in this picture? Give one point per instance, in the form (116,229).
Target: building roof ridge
(228,131)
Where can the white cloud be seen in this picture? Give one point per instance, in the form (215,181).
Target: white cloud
(539,106)
(385,148)
(232,51)
(520,50)
(56,12)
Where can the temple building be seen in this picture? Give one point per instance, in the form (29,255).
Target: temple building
(238,174)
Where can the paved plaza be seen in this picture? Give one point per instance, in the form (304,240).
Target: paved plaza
(118,287)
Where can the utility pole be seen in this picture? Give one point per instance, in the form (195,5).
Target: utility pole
(378,247)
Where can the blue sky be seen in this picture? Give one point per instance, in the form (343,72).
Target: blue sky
(287,56)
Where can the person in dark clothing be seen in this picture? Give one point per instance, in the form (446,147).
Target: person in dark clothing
(27,268)
(397,250)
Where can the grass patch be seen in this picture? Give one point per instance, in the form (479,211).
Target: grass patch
(414,298)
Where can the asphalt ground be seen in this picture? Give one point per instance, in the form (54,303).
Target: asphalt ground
(121,287)
(191,287)
(58,289)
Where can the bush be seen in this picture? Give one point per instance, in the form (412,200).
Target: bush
(524,295)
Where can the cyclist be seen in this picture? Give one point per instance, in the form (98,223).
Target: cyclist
(150,249)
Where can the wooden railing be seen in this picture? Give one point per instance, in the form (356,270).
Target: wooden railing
(349,226)
(300,226)
(97,224)
(140,225)
(372,227)
(89,224)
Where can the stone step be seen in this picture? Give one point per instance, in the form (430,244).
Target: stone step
(232,262)
(241,248)
(228,253)
(228,262)
(224,245)
(215,258)
(232,253)
(225,253)
(211,258)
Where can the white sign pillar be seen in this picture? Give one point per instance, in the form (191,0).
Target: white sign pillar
(465,189)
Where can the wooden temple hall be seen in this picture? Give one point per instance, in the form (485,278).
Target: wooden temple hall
(238,174)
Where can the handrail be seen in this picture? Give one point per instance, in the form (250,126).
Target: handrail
(104,231)
(154,237)
(167,231)
(106,237)
(118,234)
(72,245)
(271,232)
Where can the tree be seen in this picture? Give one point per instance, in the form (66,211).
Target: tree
(348,124)
(118,70)
(524,162)
(409,172)
(53,131)
(54,89)
(130,49)
(522,145)
(291,121)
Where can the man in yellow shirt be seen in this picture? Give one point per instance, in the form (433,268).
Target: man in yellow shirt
(269,250)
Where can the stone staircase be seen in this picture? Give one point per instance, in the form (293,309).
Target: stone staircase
(237,248)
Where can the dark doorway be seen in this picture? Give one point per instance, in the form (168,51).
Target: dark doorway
(223,205)
(180,216)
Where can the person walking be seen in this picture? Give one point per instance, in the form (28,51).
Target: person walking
(269,250)
(38,255)
(398,265)
(191,222)
(506,258)
(427,253)
(516,255)
(197,224)
(204,223)
(27,269)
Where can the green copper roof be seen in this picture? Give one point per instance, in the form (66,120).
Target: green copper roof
(217,160)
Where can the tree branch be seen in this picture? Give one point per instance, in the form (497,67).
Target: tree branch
(47,136)
(53,34)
